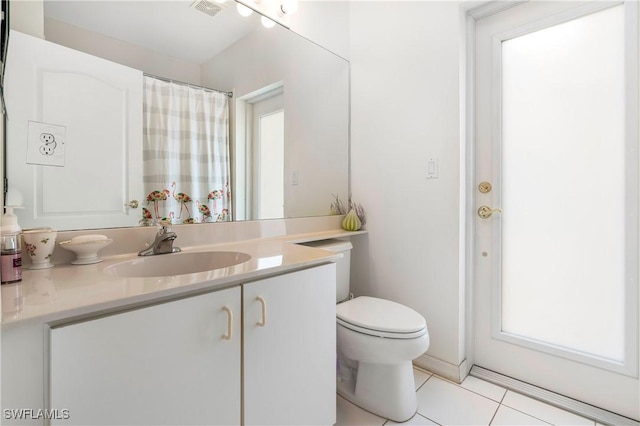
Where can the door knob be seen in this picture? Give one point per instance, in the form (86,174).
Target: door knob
(485,212)
(133,204)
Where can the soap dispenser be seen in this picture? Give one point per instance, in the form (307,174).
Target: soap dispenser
(10,248)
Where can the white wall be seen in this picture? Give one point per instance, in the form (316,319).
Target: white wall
(27,17)
(121,52)
(324,22)
(405,109)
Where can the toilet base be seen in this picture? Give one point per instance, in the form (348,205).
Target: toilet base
(387,390)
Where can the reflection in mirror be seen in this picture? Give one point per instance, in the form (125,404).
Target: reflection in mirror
(285,161)
(179,118)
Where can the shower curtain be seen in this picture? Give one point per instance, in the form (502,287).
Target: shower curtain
(185,153)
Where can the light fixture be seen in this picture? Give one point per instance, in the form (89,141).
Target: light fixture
(289,7)
(273,10)
(244,10)
(266,22)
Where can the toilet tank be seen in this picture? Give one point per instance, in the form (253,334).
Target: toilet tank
(343,265)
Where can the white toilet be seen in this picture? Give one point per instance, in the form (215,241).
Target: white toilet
(377,341)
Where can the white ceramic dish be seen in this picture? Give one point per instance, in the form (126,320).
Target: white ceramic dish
(86,249)
(88,238)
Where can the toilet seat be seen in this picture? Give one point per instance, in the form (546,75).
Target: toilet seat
(381,318)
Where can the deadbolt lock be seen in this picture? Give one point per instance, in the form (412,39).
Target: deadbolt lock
(484,187)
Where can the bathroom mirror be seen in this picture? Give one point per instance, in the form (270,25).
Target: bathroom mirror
(228,52)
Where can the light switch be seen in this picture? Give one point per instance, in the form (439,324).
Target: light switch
(294,178)
(432,168)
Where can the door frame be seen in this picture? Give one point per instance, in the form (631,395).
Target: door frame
(470,14)
(242,175)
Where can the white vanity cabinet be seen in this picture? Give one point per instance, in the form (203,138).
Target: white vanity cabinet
(171,363)
(290,349)
(165,364)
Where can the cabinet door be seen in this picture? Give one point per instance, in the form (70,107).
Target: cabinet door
(290,361)
(165,364)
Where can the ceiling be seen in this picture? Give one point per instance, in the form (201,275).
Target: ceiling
(170,27)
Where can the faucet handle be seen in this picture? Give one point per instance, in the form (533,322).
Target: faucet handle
(164,226)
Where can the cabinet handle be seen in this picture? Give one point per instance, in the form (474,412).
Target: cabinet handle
(229,323)
(264,312)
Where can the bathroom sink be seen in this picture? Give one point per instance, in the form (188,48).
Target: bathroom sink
(176,264)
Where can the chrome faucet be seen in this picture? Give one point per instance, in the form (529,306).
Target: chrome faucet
(162,244)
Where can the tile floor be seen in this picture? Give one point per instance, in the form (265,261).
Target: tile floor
(474,402)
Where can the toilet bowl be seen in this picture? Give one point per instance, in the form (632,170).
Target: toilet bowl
(377,341)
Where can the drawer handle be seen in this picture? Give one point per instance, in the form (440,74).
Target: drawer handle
(229,323)
(264,312)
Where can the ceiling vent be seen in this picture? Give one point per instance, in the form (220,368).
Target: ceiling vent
(205,6)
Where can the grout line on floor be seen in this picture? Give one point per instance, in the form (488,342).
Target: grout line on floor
(470,390)
(528,414)
(504,395)
(423,383)
(494,414)
(431,420)
(500,403)
(386,422)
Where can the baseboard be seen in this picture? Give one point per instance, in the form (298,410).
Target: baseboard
(455,373)
(585,410)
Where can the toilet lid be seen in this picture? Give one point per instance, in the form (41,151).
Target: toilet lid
(381,315)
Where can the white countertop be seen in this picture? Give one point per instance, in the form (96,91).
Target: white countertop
(70,292)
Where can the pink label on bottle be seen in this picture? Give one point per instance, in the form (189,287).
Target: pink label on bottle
(11,267)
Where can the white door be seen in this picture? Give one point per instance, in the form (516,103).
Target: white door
(169,364)
(556,253)
(74,136)
(290,349)
(268,157)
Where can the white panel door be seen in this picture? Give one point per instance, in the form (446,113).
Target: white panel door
(290,349)
(556,248)
(98,104)
(268,154)
(168,364)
